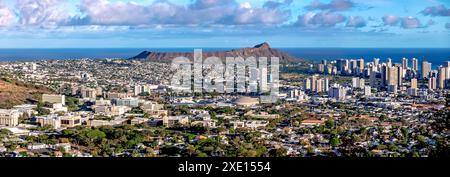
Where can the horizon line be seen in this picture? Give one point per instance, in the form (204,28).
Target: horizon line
(224,47)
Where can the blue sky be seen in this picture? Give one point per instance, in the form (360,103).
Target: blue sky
(224,23)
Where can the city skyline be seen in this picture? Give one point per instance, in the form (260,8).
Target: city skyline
(229,23)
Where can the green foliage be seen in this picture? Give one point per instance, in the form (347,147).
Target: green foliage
(278,152)
(72,103)
(41,110)
(329,123)
(335,141)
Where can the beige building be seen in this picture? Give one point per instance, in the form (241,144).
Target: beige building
(88,93)
(154,109)
(247,101)
(54,99)
(9,118)
(52,120)
(170,121)
(413,83)
(70,121)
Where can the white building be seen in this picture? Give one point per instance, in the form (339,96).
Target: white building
(9,117)
(367,91)
(337,92)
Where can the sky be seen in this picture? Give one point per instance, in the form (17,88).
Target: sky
(224,23)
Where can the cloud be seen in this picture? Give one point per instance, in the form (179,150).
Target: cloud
(440,10)
(334,5)
(7,16)
(41,12)
(356,22)
(391,20)
(276,4)
(206,4)
(200,12)
(430,22)
(410,23)
(405,22)
(322,19)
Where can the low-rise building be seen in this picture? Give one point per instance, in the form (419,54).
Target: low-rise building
(311,122)
(54,99)
(52,120)
(170,121)
(130,102)
(9,117)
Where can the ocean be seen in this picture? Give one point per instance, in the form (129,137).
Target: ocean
(437,56)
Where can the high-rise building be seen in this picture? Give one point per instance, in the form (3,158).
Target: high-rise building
(308,84)
(392,78)
(399,76)
(389,62)
(358,82)
(373,79)
(432,83)
(361,64)
(376,62)
(355,82)
(447,72)
(337,92)
(405,63)
(426,69)
(384,75)
(413,83)
(353,64)
(313,83)
(367,91)
(342,65)
(329,69)
(415,64)
(319,85)
(321,68)
(139,89)
(441,75)
(392,89)
(412,91)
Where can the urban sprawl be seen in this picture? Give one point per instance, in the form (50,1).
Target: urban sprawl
(127,108)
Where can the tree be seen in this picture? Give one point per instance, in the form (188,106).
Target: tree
(95,135)
(335,141)
(202,155)
(329,123)
(72,103)
(278,152)
(41,110)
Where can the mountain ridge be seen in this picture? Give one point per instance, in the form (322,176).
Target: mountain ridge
(260,50)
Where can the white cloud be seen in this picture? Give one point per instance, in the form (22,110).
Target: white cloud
(7,16)
(44,13)
(334,5)
(410,23)
(356,21)
(200,12)
(391,20)
(322,19)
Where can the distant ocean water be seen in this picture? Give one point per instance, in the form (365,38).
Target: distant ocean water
(437,56)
